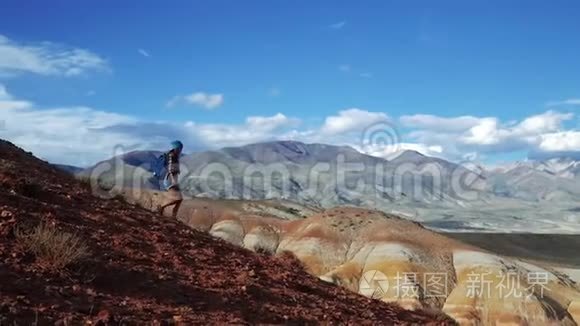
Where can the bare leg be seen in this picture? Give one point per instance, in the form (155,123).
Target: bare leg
(176,209)
(161,209)
(173,198)
(175,203)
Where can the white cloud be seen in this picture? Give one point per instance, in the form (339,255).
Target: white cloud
(82,136)
(205,100)
(391,151)
(67,135)
(344,68)
(467,134)
(564,141)
(14,105)
(351,120)
(4,93)
(432,122)
(144,53)
(45,58)
(571,101)
(7,101)
(255,129)
(209,101)
(542,123)
(338,25)
(489,131)
(274,92)
(486,132)
(270,123)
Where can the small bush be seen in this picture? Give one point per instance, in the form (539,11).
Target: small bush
(28,189)
(51,246)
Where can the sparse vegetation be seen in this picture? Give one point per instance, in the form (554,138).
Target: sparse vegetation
(85,180)
(51,246)
(293,211)
(29,189)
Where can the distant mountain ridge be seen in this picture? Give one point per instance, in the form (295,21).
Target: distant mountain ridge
(299,160)
(69,168)
(412,184)
(564,167)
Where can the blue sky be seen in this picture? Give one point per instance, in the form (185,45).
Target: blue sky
(495,80)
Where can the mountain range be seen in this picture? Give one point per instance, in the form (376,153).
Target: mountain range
(527,196)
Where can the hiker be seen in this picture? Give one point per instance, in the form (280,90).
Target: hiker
(170,162)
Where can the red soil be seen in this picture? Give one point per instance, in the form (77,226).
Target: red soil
(144,268)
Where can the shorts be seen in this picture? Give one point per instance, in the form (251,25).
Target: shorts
(171,181)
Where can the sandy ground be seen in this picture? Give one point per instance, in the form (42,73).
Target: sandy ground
(555,249)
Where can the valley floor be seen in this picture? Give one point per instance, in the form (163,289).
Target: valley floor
(555,249)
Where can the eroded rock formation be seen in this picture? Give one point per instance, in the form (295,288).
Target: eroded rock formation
(396,260)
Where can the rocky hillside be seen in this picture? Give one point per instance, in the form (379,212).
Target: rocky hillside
(140,268)
(396,260)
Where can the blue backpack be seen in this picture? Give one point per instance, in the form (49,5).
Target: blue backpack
(160,169)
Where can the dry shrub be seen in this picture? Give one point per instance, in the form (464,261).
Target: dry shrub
(29,189)
(52,246)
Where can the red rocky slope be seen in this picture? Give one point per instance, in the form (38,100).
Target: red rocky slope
(144,268)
